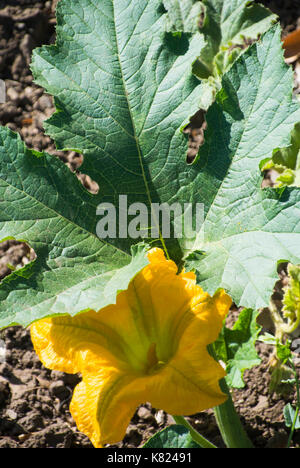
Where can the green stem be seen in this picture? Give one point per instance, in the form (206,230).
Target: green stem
(229,422)
(293,427)
(298,404)
(204,443)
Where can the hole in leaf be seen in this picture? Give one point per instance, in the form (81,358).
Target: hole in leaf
(195,130)
(177,43)
(201,18)
(161,9)
(264,318)
(88,183)
(74,161)
(270,178)
(14,255)
(244,44)
(33,134)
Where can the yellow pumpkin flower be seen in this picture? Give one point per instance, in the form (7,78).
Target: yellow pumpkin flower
(151,346)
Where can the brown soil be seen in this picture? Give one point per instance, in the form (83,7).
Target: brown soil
(34,401)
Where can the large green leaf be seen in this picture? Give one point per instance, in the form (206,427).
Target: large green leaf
(247,229)
(124,90)
(42,202)
(174,436)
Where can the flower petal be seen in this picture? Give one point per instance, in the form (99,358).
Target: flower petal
(105,401)
(210,314)
(103,405)
(187,385)
(163,300)
(76,344)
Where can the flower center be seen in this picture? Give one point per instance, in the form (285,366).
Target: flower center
(153,363)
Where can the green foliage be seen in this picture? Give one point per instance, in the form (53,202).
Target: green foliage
(247,230)
(290,416)
(228,28)
(291,299)
(282,381)
(124,91)
(228,25)
(236,347)
(286,162)
(268,339)
(183,15)
(174,436)
(121,97)
(43,203)
(284,351)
